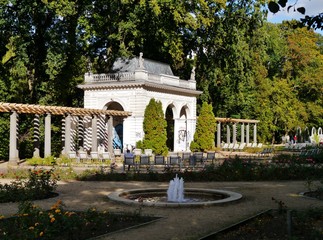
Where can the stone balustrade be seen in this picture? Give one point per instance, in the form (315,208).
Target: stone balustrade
(140,75)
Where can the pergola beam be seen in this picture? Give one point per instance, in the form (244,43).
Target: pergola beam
(236,120)
(54,110)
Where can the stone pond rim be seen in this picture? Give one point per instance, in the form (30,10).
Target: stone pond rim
(227,197)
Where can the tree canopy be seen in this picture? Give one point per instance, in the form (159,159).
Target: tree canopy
(245,66)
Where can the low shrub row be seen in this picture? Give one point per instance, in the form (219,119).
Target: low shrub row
(39,184)
(232,169)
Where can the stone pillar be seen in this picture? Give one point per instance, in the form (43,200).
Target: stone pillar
(47,147)
(94,134)
(234,140)
(228,134)
(242,133)
(175,135)
(247,132)
(13,150)
(255,133)
(218,135)
(67,145)
(110,135)
(36,136)
(186,135)
(81,133)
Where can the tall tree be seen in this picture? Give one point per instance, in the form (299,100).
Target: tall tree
(290,96)
(226,57)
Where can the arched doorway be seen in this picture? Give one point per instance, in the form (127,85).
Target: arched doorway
(117,125)
(170,127)
(182,143)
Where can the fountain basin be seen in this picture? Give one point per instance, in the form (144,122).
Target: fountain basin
(157,197)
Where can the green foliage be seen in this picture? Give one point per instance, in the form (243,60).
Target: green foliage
(283,101)
(34,222)
(35,161)
(154,126)
(4,133)
(39,185)
(244,66)
(205,130)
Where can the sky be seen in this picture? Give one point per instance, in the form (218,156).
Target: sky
(312,7)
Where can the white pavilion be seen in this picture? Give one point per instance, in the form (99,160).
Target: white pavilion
(129,86)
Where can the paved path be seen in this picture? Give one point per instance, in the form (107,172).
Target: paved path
(178,223)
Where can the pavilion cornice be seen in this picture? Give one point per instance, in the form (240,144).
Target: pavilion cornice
(143,84)
(58,110)
(236,120)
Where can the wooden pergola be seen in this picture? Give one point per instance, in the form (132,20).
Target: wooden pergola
(235,121)
(56,110)
(67,112)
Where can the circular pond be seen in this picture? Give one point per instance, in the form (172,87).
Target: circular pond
(158,197)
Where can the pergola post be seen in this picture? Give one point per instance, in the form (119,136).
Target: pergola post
(81,132)
(247,132)
(67,145)
(218,135)
(234,140)
(94,134)
(228,134)
(47,146)
(36,136)
(110,135)
(242,133)
(13,150)
(255,133)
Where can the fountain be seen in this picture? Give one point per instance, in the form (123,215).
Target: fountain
(173,196)
(175,192)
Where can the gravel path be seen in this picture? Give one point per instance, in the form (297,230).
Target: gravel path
(178,223)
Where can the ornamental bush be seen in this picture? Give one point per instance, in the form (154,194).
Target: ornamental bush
(154,126)
(205,130)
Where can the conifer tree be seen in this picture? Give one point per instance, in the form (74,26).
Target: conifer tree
(205,129)
(154,125)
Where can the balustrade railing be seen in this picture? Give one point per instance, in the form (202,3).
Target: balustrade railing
(131,76)
(109,77)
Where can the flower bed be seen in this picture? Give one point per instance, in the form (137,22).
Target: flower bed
(39,185)
(273,225)
(57,223)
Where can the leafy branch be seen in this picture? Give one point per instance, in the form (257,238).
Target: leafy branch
(275,7)
(315,22)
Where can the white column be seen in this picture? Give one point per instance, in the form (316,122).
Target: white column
(219,135)
(110,134)
(175,135)
(13,151)
(94,134)
(247,130)
(255,133)
(242,133)
(228,134)
(67,146)
(234,140)
(36,136)
(47,147)
(81,132)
